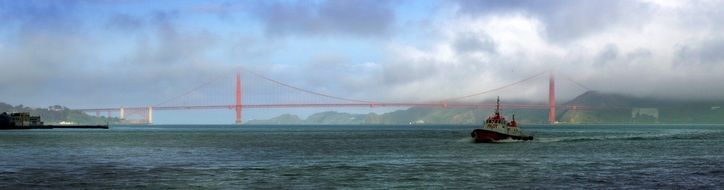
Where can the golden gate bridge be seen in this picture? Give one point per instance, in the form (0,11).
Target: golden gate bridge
(239,105)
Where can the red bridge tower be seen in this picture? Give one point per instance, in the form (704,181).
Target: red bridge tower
(551,99)
(238,98)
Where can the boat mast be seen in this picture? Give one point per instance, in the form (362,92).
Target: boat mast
(497,107)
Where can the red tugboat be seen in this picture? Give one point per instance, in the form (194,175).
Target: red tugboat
(496,128)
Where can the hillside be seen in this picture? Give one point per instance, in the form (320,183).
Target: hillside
(56,114)
(614,108)
(403,117)
(601,108)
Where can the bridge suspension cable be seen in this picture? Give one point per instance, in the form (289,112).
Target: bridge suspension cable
(341,98)
(207,83)
(577,83)
(348,102)
(495,89)
(304,90)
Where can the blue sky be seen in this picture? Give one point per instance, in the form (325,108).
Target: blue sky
(127,52)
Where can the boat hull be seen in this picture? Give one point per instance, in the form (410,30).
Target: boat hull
(487,136)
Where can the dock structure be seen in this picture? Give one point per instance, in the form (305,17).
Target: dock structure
(23,120)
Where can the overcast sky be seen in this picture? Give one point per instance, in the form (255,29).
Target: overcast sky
(127,52)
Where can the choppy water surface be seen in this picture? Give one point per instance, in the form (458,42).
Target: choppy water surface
(312,157)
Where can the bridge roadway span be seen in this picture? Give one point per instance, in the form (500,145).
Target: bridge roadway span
(329,105)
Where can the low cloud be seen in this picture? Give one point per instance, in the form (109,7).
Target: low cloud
(124,22)
(653,55)
(364,18)
(630,47)
(566,20)
(54,59)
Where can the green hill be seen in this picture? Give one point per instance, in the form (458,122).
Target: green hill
(56,114)
(613,108)
(591,107)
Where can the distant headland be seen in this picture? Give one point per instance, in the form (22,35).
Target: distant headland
(606,109)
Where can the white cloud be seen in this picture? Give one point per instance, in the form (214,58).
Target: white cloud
(665,49)
(443,71)
(637,57)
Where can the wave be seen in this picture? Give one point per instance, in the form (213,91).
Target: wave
(472,140)
(638,136)
(466,139)
(509,141)
(566,139)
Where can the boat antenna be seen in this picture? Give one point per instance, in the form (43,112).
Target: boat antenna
(497,107)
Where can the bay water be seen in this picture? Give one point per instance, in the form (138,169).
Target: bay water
(359,156)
